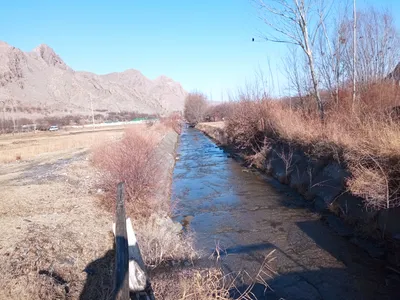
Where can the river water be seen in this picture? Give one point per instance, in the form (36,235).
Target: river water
(247,215)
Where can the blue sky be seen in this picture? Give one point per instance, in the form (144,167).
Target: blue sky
(205,45)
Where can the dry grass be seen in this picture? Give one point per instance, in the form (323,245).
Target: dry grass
(29,145)
(213,284)
(365,137)
(54,231)
(162,240)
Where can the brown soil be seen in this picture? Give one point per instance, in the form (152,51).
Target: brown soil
(56,242)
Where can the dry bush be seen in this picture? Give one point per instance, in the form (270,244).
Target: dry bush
(162,240)
(218,112)
(213,284)
(207,285)
(246,122)
(131,160)
(371,184)
(173,121)
(350,134)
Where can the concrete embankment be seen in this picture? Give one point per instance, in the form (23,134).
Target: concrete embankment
(323,181)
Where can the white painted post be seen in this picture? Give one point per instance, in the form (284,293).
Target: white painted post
(137,273)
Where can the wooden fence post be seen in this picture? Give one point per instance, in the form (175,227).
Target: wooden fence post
(121,283)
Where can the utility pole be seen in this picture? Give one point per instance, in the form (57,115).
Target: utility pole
(91,107)
(354,50)
(3,120)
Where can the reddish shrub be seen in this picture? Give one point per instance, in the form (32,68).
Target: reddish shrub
(174,121)
(131,160)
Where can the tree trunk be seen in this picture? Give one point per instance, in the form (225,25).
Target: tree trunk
(13,116)
(3,120)
(354,50)
(314,79)
(317,96)
(337,69)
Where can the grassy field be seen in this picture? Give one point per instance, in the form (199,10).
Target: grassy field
(26,146)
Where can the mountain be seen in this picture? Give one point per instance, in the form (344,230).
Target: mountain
(40,83)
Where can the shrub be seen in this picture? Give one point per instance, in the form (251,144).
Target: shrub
(218,112)
(133,161)
(162,240)
(173,121)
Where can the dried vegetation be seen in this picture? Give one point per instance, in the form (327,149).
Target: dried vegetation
(366,139)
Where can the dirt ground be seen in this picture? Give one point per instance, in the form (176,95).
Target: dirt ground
(56,241)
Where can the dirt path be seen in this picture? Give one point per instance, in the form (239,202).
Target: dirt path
(55,238)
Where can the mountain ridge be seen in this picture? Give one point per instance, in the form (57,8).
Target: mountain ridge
(39,82)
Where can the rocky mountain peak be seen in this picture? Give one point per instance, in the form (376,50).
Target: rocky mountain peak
(50,56)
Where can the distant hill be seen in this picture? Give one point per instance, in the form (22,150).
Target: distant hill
(40,83)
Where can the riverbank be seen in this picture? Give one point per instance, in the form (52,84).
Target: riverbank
(322,181)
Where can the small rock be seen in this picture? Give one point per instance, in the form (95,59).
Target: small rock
(245,170)
(169,225)
(67,261)
(186,220)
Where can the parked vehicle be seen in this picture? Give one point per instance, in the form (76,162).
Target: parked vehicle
(53,128)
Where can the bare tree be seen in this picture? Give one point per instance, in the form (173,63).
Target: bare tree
(377,46)
(195,107)
(296,72)
(3,119)
(331,46)
(13,112)
(296,22)
(354,50)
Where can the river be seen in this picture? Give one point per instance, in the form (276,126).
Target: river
(247,215)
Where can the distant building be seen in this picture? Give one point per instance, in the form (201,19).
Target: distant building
(28,127)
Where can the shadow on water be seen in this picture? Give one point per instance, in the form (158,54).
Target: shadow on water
(247,215)
(301,286)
